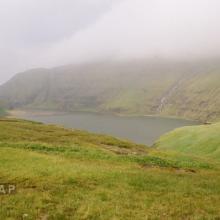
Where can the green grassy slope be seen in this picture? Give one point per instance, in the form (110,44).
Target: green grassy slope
(71,174)
(2,112)
(188,90)
(201,140)
(197,97)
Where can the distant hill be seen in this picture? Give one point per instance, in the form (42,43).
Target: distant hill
(188,90)
(201,140)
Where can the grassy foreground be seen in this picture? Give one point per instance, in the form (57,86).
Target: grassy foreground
(71,174)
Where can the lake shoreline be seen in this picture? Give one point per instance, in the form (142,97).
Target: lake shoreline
(140,129)
(45,112)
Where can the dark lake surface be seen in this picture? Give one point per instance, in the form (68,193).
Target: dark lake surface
(143,129)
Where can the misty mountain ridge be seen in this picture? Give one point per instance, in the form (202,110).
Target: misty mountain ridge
(151,87)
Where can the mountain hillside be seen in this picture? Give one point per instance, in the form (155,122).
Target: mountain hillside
(203,140)
(188,90)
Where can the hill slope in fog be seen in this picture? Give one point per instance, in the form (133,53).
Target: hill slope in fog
(188,90)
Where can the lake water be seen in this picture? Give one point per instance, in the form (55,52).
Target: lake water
(144,129)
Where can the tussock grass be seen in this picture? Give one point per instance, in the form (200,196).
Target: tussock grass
(71,174)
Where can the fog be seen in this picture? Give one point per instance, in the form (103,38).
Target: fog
(29,28)
(48,33)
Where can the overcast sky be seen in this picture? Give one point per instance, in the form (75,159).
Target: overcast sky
(46,33)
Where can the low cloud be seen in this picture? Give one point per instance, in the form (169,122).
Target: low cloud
(139,29)
(130,30)
(29,28)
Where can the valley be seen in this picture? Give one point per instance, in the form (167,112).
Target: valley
(66,173)
(110,110)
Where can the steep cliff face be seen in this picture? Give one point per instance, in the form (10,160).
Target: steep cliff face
(190,90)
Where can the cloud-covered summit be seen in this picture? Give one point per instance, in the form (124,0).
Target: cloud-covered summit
(52,33)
